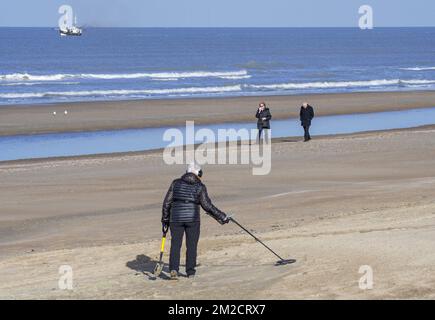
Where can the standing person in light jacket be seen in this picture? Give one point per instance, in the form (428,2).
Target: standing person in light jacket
(306,115)
(182,214)
(263,116)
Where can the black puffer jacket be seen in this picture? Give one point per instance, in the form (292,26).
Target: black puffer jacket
(183,199)
(263,124)
(306,115)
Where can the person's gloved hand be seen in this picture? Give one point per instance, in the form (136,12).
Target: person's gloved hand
(165,226)
(225,220)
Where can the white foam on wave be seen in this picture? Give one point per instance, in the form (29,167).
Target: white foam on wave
(193,90)
(416,82)
(168,75)
(156,76)
(418,69)
(28,77)
(340,84)
(15,84)
(236,77)
(164,79)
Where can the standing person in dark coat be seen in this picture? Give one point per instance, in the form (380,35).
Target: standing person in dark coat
(263,115)
(306,115)
(181,213)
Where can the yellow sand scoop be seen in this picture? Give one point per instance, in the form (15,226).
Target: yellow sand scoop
(159,266)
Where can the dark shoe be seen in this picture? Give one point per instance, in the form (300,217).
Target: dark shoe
(174,275)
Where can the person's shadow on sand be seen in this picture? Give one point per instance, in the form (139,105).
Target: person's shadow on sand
(146,265)
(289,140)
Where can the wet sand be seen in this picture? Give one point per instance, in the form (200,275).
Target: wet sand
(334,204)
(90,116)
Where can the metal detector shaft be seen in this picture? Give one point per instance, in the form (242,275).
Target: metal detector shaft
(232,219)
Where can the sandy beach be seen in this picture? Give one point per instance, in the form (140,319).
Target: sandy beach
(91,116)
(98,100)
(334,204)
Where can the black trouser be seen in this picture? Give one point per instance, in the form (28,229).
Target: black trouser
(192,237)
(260,131)
(307,132)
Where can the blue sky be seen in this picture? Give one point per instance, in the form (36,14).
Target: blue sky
(219,13)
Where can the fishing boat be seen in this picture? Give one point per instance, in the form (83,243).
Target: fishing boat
(72,30)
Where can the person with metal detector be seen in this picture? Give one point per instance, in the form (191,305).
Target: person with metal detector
(181,214)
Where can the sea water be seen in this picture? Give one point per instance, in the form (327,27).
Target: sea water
(39,66)
(86,143)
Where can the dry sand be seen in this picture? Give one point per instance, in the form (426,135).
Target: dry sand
(333,204)
(150,113)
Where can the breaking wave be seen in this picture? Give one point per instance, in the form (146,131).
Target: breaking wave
(241,74)
(341,84)
(418,69)
(16,84)
(240,89)
(103,93)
